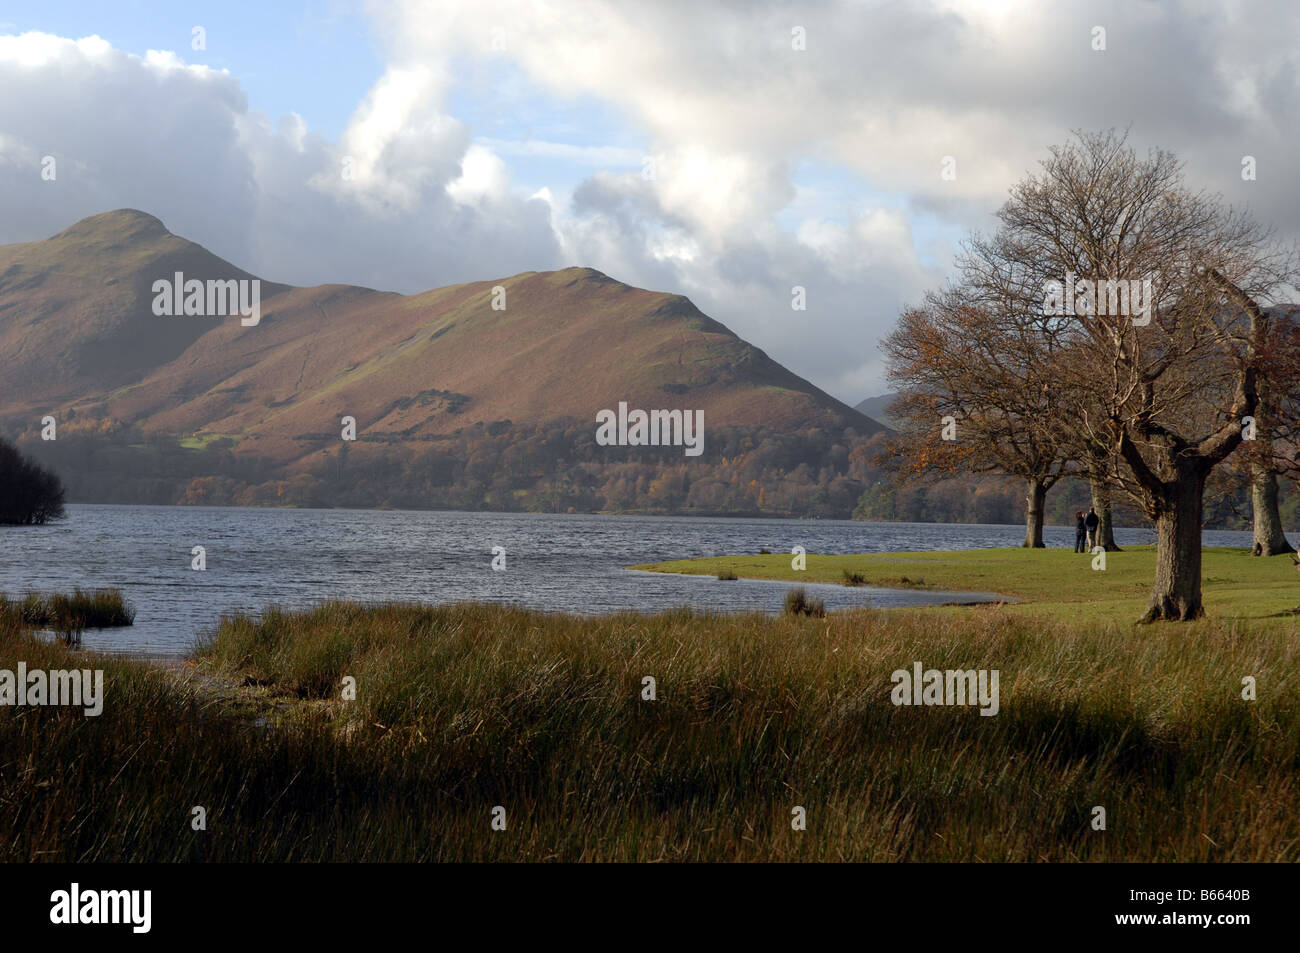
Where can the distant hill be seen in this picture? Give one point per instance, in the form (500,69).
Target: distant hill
(79,340)
(874,407)
(75,317)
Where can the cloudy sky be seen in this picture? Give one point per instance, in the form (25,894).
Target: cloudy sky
(728,151)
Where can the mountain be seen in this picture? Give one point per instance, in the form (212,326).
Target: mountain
(80,340)
(75,317)
(874,407)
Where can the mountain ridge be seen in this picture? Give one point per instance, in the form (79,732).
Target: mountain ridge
(77,328)
(876,409)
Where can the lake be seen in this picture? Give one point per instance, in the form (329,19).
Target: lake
(573,563)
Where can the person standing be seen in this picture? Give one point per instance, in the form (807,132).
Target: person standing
(1091,524)
(1080,533)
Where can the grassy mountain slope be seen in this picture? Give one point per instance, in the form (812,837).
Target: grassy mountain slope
(78,332)
(75,309)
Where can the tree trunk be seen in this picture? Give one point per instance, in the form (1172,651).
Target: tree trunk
(1034,505)
(1270,540)
(1101,503)
(1176,592)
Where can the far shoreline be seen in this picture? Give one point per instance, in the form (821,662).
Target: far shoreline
(623,514)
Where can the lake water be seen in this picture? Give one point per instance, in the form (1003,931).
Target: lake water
(294,558)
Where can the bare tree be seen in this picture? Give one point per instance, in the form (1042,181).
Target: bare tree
(1270,434)
(1271,444)
(974,396)
(1100,466)
(1154,296)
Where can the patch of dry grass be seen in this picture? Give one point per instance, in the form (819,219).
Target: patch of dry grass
(462,708)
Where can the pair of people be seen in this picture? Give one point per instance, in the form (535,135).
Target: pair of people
(1085,530)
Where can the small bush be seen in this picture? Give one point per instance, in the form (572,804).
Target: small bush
(727,575)
(798,603)
(854,578)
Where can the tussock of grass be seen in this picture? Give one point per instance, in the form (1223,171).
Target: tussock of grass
(854,578)
(726,576)
(797,602)
(83,609)
(462,708)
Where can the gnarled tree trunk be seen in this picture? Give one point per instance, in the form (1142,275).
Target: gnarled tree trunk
(1270,540)
(1035,500)
(1176,591)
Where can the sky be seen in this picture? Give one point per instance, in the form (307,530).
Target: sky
(728,151)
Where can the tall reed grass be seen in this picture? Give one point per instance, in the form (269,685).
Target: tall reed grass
(463,708)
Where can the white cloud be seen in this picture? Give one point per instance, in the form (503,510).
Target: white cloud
(180,142)
(483,177)
(600,156)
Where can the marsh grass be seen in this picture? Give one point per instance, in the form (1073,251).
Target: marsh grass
(83,609)
(798,602)
(465,707)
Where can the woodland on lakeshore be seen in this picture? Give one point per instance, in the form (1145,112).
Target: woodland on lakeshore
(559,468)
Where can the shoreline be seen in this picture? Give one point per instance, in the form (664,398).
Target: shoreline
(994,598)
(1050,581)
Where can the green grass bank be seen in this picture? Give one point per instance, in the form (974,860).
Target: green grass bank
(1054,583)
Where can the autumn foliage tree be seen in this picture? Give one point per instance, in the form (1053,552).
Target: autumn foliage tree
(974,395)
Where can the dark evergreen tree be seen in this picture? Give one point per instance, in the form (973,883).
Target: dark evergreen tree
(30,495)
